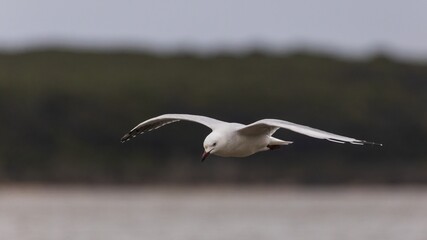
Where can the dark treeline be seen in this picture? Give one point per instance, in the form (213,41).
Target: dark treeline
(62,114)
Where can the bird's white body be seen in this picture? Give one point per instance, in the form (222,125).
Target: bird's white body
(237,145)
(231,143)
(239,140)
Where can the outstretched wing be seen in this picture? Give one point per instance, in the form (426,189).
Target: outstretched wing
(160,121)
(269,126)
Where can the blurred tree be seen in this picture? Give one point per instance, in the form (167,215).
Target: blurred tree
(63,113)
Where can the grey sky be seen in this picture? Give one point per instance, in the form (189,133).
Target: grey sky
(355,27)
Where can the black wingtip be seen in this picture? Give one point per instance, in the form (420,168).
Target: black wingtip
(125,138)
(128,136)
(372,143)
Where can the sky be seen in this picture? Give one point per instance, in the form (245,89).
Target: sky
(341,26)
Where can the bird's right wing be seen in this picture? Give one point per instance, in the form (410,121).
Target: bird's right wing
(160,121)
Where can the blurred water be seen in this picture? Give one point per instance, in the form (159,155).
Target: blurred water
(212,213)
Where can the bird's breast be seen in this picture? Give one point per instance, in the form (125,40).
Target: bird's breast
(243,146)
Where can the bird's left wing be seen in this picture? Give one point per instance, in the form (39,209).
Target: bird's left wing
(160,121)
(268,126)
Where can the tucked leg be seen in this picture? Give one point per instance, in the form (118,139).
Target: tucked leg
(273,147)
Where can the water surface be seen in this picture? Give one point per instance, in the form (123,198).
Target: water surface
(205,213)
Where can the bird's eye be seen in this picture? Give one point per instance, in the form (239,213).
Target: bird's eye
(214,144)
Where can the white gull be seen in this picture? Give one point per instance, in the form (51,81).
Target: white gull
(239,140)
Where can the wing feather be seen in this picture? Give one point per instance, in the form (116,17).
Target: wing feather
(266,125)
(160,121)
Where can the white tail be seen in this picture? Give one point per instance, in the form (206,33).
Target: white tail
(275,141)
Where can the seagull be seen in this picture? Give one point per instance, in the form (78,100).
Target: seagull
(239,140)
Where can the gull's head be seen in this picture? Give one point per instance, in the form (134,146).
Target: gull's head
(212,143)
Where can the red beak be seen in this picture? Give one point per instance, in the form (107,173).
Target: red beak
(205,155)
